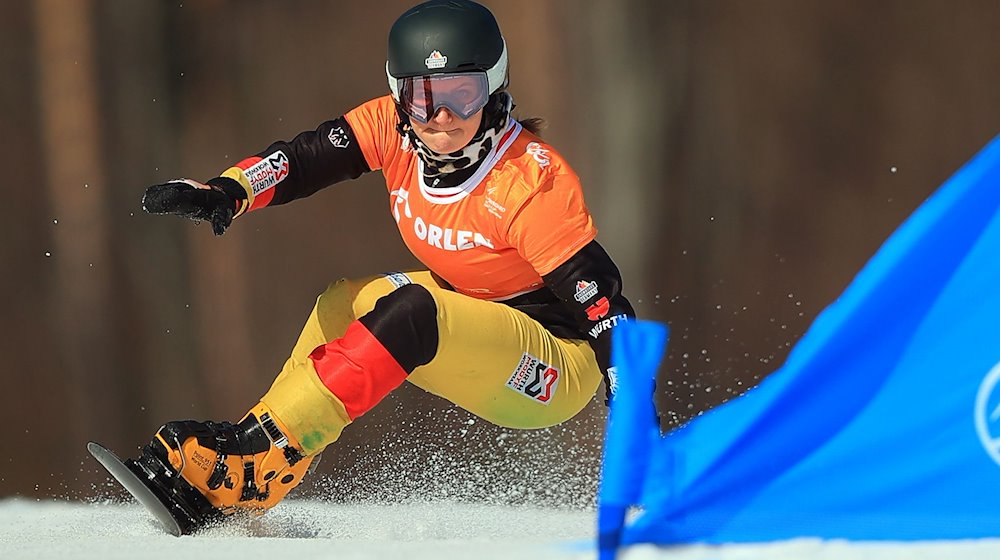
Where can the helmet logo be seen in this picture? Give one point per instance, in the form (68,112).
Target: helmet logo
(436,60)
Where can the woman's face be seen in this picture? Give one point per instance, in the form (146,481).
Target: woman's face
(445,132)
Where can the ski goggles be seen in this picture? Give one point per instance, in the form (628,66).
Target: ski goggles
(464,94)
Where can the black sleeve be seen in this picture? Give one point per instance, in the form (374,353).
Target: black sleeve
(590,286)
(311,161)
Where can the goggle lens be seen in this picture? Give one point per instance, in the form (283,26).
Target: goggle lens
(463,94)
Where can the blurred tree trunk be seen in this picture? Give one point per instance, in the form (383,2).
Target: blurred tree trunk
(77,191)
(622,106)
(154,302)
(219,275)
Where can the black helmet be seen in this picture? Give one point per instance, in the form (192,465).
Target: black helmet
(445,37)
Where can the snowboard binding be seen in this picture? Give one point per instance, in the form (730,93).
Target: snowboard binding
(179,508)
(195,473)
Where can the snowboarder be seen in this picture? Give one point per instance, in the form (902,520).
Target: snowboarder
(510,321)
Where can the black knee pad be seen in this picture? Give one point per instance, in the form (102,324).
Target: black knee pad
(405,322)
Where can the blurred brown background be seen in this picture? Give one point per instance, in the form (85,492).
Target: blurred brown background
(743,159)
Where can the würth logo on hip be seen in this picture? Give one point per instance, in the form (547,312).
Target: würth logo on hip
(534,379)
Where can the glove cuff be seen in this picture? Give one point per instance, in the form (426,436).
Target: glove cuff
(234,190)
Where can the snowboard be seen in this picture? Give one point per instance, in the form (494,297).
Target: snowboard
(138,483)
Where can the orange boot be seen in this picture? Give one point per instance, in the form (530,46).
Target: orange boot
(251,465)
(201,471)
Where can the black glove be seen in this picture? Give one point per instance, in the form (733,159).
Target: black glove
(216,204)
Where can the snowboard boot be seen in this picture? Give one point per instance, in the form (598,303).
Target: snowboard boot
(201,471)
(207,470)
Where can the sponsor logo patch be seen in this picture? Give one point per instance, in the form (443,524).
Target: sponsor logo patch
(540,154)
(434,235)
(534,379)
(585,290)
(338,137)
(599,310)
(398,279)
(436,60)
(607,324)
(267,172)
(447,238)
(494,207)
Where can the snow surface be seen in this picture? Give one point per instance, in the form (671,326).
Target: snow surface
(412,531)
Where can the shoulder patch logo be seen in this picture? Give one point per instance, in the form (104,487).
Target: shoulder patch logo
(534,379)
(540,154)
(338,137)
(584,291)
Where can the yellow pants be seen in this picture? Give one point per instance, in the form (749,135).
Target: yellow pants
(492,360)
